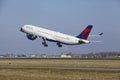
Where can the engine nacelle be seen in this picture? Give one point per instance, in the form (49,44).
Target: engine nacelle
(31,36)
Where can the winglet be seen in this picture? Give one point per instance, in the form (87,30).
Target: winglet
(85,33)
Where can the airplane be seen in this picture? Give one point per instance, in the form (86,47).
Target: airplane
(33,32)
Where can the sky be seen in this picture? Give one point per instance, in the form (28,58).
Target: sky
(66,16)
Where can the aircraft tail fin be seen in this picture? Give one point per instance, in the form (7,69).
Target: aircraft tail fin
(85,33)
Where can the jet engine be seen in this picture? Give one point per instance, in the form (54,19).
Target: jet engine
(31,36)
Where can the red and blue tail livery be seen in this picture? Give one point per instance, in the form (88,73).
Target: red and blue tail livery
(85,33)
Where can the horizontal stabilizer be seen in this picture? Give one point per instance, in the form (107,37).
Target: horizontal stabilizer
(101,34)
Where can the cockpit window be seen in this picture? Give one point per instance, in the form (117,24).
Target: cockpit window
(29,27)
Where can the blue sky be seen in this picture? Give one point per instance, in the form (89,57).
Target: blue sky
(66,16)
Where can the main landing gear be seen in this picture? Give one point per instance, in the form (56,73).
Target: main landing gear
(59,44)
(44,42)
(46,45)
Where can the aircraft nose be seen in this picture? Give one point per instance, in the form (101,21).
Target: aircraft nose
(21,29)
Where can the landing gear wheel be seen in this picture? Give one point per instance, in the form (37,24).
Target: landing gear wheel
(59,44)
(44,42)
(45,45)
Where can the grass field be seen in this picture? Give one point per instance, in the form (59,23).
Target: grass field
(30,72)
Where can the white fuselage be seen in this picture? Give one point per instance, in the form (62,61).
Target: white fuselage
(53,35)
